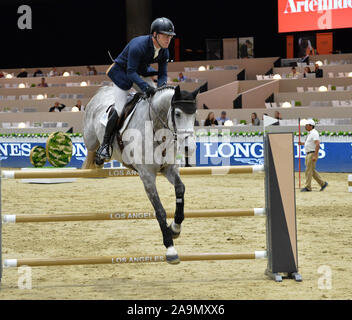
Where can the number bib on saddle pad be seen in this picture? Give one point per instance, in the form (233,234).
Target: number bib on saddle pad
(59,149)
(37,156)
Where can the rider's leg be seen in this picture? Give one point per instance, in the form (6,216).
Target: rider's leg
(103,153)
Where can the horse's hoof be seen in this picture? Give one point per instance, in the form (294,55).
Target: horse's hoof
(172,256)
(175,230)
(99,162)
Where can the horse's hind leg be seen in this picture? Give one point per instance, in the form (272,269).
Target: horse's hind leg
(171,173)
(148,179)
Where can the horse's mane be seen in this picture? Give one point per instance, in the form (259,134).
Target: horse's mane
(160,90)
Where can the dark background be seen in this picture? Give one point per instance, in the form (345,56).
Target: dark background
(81,32)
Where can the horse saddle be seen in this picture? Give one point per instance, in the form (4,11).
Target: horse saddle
(126,113)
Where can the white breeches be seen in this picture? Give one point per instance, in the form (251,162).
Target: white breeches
(121,95)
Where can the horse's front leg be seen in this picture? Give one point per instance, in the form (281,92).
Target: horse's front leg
(171,173)
(148,179)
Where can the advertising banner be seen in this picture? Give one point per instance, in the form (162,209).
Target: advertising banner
(333,156)
(305,15)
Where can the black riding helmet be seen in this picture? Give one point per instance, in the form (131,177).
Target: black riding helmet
(163,25)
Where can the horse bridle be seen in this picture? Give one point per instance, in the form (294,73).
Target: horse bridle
(172,108)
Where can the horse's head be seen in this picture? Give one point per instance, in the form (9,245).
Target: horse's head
(183,114)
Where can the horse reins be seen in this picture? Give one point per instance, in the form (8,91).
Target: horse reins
(172,108)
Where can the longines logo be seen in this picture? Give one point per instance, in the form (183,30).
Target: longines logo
(246,152)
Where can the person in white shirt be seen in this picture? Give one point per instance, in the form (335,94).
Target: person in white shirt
(311,147)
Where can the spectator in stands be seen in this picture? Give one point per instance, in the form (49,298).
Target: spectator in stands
(58,107)
(43,84)
(306,71)
(38,73)
(278,117)
(79,105)
(210,120)
(53,72)
(318,71)
(255,120)
(294,73)
(91,71)
(181,77)
(2,75)
(22,74)
(221,120)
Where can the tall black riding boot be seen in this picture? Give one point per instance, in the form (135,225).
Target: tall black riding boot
(103,153)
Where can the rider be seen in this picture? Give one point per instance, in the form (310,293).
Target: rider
(130,68)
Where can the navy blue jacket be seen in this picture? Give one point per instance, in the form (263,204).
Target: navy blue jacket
(135,60)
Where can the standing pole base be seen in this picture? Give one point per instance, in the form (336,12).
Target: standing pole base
(277,277)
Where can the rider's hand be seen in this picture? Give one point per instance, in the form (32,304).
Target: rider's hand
(150,91)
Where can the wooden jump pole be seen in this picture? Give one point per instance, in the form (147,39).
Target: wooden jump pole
(102,173)
(201,213)
(44,262)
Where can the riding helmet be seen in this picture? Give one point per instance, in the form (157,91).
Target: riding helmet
(163,25)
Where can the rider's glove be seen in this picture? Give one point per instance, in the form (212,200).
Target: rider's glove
(150,91)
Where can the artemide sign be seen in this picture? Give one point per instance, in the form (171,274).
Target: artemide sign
(314,15)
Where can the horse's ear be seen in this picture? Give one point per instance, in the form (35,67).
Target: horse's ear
(177,93)
(194,93)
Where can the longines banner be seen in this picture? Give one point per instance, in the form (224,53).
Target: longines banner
(333,156)
(304,15)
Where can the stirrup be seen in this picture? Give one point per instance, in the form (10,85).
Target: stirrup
(102,156)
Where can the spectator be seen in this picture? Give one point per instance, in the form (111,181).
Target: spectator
(58,107)
(255,120)
(43,84)
(311,147)
(38,73)
(294,73)
(196,123)
(79,105)
(22,74)
(91,71)
(181,77)
(222,119)
(306,71)
(53,72)
(318,71)
(2,75)
(278,117)
(210,120)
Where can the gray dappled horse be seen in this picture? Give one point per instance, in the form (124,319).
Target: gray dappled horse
(172,113)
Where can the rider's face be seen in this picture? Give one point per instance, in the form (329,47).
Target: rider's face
(164,40)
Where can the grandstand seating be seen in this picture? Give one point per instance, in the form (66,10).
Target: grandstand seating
(223,88)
